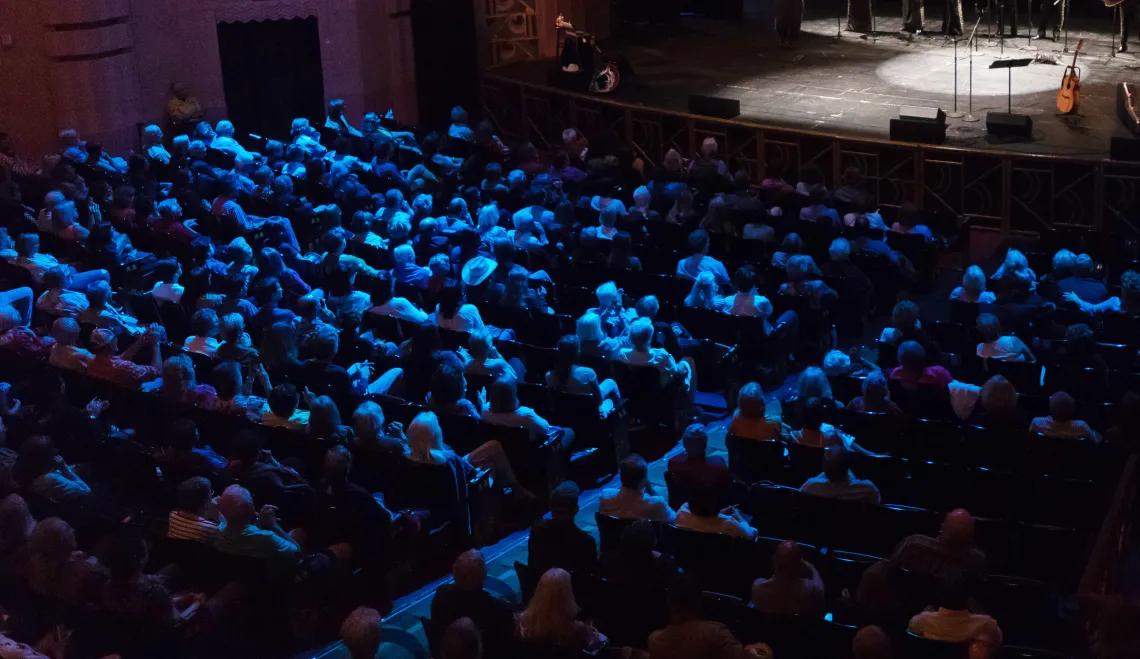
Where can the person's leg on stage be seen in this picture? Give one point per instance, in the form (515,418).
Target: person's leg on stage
(952,19)
(1128,14)
(912,15)
(1048,17)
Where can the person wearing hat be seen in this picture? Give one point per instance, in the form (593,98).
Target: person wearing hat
(476,275)
(119,369)
(557,541)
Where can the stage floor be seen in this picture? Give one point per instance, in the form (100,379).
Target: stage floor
(854,84)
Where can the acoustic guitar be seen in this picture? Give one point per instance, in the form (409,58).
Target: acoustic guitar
(1069,96)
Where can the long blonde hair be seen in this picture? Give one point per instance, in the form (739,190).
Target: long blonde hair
(703,293)
(552,609)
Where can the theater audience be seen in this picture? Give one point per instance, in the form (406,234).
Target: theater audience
(953,549)
(466,598)
(551,616)
(558,541)
(693,467)
(635,498)
(751,421)
(952,621)
(837,481)
(876,398)
(703,513)
(687,634)
(795,587)
(245,531)
(973,288)
(913,372)
(1060,423)
(995,345)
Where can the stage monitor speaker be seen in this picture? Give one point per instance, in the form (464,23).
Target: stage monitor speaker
(1125,149)
(918,124)
(917,113)
(1004,124)
(711,106)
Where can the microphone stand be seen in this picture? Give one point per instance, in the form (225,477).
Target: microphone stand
(1029,37)
(973,36)
(956,113)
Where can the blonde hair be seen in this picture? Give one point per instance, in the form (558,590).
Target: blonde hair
(552,609)
(589,327)
(703,292)
(424,436)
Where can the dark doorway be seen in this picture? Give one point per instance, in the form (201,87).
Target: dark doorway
(446,56)
(271,72)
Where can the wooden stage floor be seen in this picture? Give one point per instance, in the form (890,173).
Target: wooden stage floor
(853,85)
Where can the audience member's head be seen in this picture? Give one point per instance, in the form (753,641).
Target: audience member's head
(633,472)
(814,382)
(957,529)
(912,356)
(1062,407)
(872,642)
(461,640)
(905,315)
(236,505)
(362,632)
(470,570)
(750,402)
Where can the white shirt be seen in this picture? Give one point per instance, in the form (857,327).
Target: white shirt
(722,523)
(167,292)
(1005,348)
(523,417)
(203,345)
(401,308)
(748,304)
(466,319)
(629,503)
(954,626)
(691,267)
(60,302)
(71,358)
(658,358)
(853,489)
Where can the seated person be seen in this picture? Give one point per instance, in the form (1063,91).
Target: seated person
(635,498)
(245,531)
(703,513)
(791,245)
(1083,281)
(65,352)
(558,541)
(817,209)
(283,411)
(704,294)
(856,281)
(58,299)
(592,338)
(973,288)
(406,270)
(1128,302)
(385,304)
(1060,423)
(751,420)
(181,452)
(699,260)
(876,398)
(371,435)
(505,410)
(196,517)
(466,598)
(426,446)
(795,587)
(573,378)
(816,432)
(912,370)
(227,209)
(694,468)
(837,481)
(687,634)
(805,280)
(953,550)
(166,287)
(29,257)
(109,366)
(952,621)
(203,339)
(746,301)
(909,221)
(41,470)
(144,599)
(486,360)
(101,313)
(551,615)
(642,354)
(994,345)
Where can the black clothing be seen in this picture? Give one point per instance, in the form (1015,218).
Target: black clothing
(492,616)
(558,543)
(1089,289)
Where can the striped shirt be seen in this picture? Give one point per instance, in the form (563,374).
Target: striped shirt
(188,526)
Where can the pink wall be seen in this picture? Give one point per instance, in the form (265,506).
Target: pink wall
(103,66)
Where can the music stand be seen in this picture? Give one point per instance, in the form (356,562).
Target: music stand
(1009,65)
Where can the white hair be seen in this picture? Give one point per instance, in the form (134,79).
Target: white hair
(224,128)
(607,294)
(974,279)
(589,327)
(404,254)
(641,333)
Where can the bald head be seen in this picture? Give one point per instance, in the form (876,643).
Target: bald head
(470,570)
(958,528)
(871,643)
(787,560)
(236,505)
